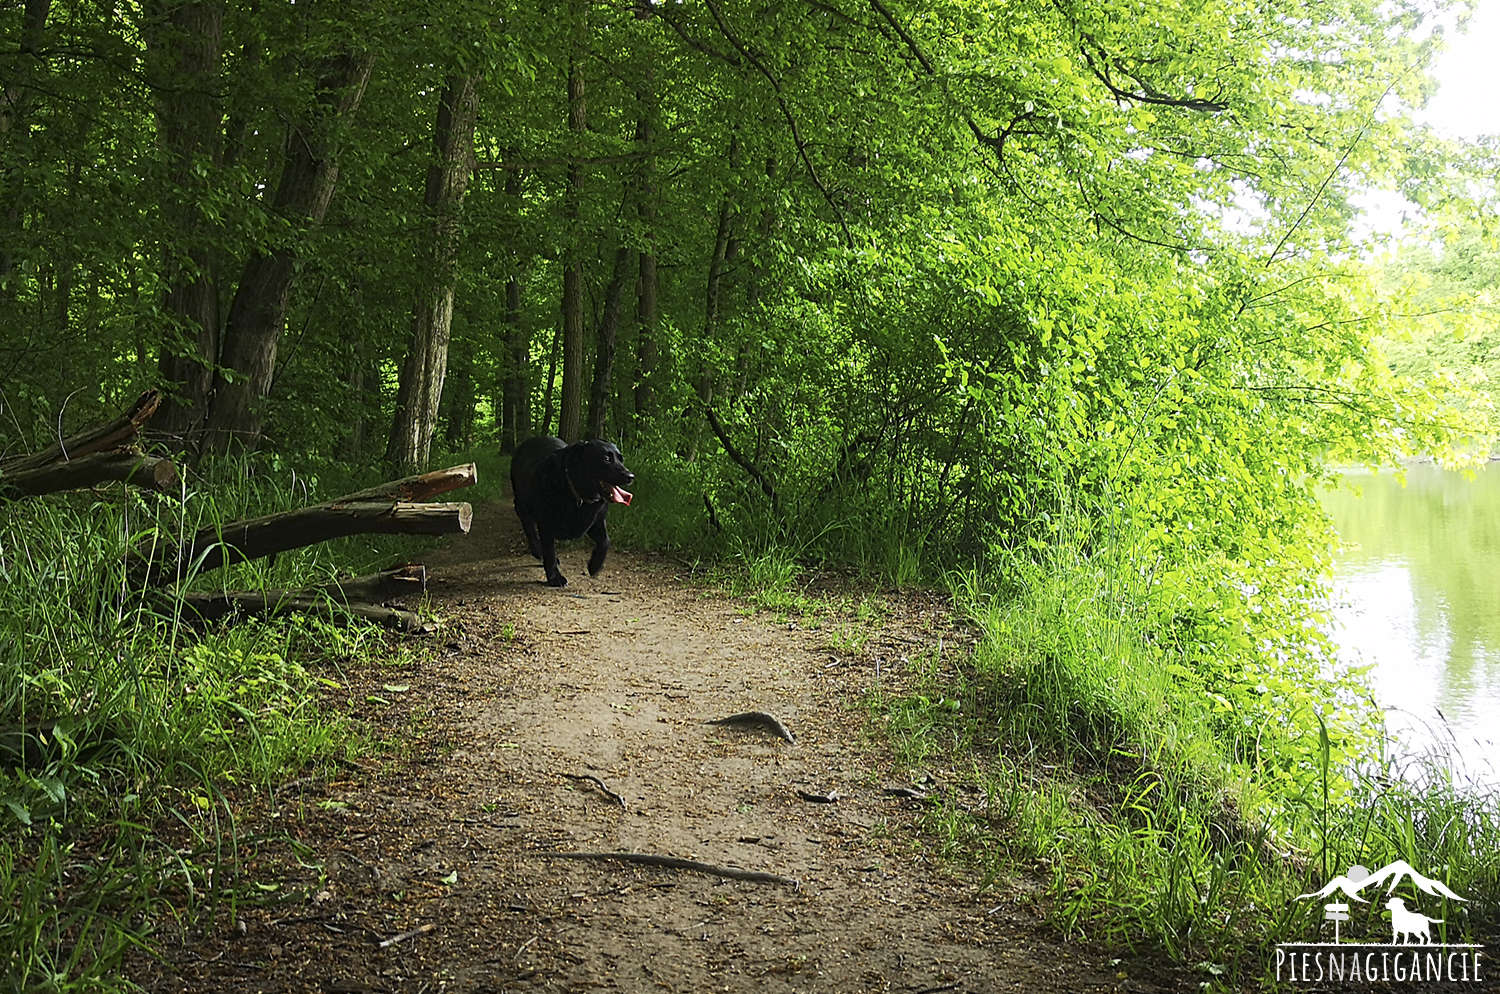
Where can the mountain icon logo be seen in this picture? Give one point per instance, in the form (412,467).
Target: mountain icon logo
(1359,879)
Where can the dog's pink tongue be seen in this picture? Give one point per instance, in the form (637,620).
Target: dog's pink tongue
(620,496)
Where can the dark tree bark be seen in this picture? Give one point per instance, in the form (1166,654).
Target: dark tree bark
(16,127)
(100,453)
(354,442)
(570,403)
(570,415)
(716,264)
(95,438)
(361,597)
(252,331)
(754,283)
(548,410)
(703,382)
(604,359)
(459,398)
(388,508)
(422,486)
(645,312)
(515,419)
(126,464)
(184,42)
(200,607)
(421,387)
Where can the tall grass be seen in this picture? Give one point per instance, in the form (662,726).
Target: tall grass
(151,724)
(1168,803)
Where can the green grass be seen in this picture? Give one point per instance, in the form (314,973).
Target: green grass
(1149,822)
(164,729)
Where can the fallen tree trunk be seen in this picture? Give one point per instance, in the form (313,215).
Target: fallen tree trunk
(102,453)
(212,607)
(126,464)
(107,435)
(423,486)
(358,597)
(255,538)
(378,588)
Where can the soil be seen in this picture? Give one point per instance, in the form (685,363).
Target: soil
(573,720)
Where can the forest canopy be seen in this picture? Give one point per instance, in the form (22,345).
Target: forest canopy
(941,264)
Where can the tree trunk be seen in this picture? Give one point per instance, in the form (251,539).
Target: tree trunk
(645,312)
(756,279)
(421,388)
(703,382)
(570,415)
(547,407)
(126,464)
(252,331)
(96,438)
(360,597)
(604,360)
(570,404)
(100,453)
(15,127)
(257,538)
(716,271)
(459,399)
(354,442)
(184,42)
(203,607)
(515,421)
(387,508)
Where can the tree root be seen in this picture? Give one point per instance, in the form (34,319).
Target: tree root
(673,863)
(757,719)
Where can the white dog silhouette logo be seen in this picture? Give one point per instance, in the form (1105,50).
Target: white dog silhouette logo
(1416,950)
(1408,926)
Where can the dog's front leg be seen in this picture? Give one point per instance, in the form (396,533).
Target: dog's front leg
(601,547)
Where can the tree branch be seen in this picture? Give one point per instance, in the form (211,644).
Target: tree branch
(92,439)
(786,112)
(740,458)
(1147,94)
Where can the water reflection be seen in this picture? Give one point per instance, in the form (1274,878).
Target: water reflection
(1418,590)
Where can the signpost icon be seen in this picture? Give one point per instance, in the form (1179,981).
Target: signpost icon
(1336,913)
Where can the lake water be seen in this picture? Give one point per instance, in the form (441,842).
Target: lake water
(1418,595)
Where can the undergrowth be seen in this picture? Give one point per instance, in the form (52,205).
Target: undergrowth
(129,739)
(1171,805)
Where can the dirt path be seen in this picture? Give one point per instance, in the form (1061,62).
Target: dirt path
(613,678)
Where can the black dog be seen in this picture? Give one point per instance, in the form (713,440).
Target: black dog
(563,491)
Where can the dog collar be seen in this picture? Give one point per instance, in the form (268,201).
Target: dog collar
(574,490)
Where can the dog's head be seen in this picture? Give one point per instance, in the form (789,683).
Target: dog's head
(1396,904)
(598,471)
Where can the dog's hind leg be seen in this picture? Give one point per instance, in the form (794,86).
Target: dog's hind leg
(601,547)
(533,541)
(549,562)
